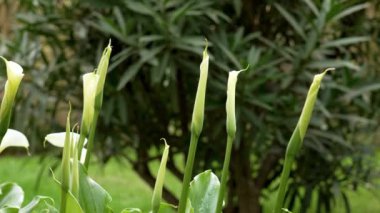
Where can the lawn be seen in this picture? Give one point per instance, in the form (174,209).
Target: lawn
(126,188)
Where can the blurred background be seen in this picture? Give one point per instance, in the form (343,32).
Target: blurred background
(150,90)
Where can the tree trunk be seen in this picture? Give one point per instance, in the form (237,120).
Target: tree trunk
(241,184)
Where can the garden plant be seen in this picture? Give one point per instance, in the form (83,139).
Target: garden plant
(79,193)
(240,161)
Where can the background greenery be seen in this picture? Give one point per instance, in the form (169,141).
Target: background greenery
(151,86)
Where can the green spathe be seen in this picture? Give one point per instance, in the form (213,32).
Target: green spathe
(297,137)
(157,192)
(231,131)
(199,105)
(103,67)
(230,103)
(309,103)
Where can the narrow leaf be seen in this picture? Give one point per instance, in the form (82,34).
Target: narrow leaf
(157,192)
(292,21)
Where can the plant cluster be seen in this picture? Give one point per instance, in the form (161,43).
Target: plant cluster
(79,193)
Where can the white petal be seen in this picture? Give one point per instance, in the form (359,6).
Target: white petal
(14,138)
(15,68)
(83,156)
(58,139)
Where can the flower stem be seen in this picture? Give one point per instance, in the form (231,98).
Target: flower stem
(225,173)
(188,173)
(90,143)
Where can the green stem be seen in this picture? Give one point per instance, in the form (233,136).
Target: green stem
(188,173)
(283,183)
(90,142)
(82,137)
(289,159)
(225,172)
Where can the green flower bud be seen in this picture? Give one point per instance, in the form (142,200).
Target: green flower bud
(199,105)
(309,103)
(230,104)
(157,193)
(103,68)
(296,140)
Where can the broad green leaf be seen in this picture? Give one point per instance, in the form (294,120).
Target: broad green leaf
(292,21)
(72,204)
(9,210)
(11,195)
(92,197)
(189,207)
(167,208)
(203,193)
(35,203)
(13,138)
(131,210)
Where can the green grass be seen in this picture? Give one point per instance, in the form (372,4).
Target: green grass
(127,189)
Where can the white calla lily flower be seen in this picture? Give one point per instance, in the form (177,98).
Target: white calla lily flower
(90,83)
(14,72)
(58,139)
(14,138)
(15,75)
(230,104)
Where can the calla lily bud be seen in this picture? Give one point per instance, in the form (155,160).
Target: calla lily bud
(296,140)
(157,193)
(103,68)
(13,138)
(199,105)
(15,75)
(309,103)
(230,104)
(90,83)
